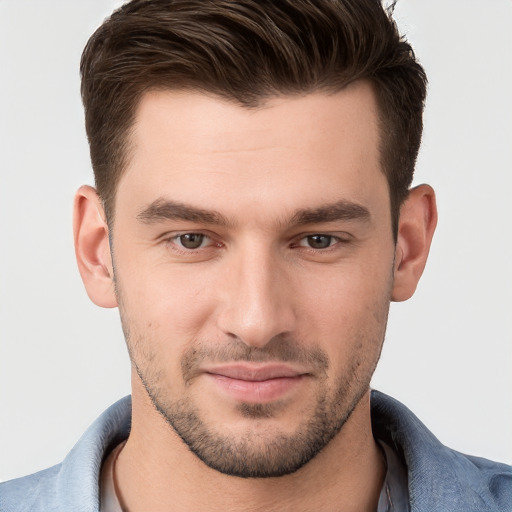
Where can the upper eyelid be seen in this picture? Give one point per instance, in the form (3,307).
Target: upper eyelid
(170,239)
(169,235)
(339,236)
(335,240)
(178,235)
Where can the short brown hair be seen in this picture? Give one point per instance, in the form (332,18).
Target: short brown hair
(247,51)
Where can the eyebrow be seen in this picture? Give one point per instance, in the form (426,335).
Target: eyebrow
(341,210)
(164,209)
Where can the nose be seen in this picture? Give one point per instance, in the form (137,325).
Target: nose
(257,298)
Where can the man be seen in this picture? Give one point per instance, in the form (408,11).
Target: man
(252,219)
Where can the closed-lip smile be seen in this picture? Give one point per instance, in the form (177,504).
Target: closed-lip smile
(255,383)
(255,372)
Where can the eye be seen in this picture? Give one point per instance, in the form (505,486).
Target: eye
(192,240)
(318,241)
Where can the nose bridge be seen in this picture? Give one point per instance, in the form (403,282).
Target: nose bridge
(257,303)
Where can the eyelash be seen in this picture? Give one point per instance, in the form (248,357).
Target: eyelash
(334,242)
(173,242)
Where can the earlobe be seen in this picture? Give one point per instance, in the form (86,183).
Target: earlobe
(92,247)
(417,223)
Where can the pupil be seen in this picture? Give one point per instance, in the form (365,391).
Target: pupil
(319,241)
(192,240)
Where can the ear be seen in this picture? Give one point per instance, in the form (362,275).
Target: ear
(416,226)
(92,247)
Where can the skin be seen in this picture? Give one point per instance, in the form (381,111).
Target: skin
(276,319)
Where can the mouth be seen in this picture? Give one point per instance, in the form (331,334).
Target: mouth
(252,383)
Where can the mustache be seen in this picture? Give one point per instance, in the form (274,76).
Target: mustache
(281,348)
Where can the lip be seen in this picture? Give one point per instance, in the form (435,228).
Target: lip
(255,372)
(252,383)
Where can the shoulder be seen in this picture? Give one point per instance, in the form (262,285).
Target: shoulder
(439,477)
(31,493)
(494,478)
(72,485)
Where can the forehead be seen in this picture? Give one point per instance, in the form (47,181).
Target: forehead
(292,151)
(200,122)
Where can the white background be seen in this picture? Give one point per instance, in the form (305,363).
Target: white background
(448,353)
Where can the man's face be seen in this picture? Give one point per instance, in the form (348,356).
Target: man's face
(253,258)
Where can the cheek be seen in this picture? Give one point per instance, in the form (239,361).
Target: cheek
(162,316)
(347,312)
(346,291)
(161,297)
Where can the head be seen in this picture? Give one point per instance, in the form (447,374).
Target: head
(246,52)
(253,217)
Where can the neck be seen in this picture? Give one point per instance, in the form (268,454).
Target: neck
(157,471)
